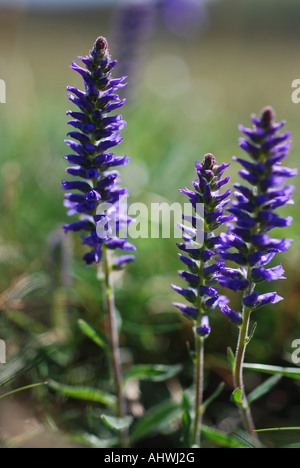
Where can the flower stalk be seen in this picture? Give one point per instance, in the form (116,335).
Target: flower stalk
(199,387)
(239,374)
(95,195)
(198,250)
(247,242)
(113,336)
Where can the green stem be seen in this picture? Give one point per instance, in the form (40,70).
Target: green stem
(199,370)
(238,371)
(199,379)
(114,343)
(22,389)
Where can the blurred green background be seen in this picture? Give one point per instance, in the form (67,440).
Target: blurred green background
(192,93)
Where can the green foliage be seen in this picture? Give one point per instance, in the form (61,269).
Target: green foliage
(156,420)
(88,331)
(83,393)
(117,424)
(264,388)
(153,373)
(222,439)
(290,372)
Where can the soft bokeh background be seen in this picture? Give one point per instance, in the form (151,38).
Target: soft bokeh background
(192,83)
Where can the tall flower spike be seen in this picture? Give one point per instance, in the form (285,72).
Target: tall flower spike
(247,242)
(93,164)
(255,214)
(198,250)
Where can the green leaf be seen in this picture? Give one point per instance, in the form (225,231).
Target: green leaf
(237,396)
(92,441)
(264,388)
(84,393)
(290,372)
(252,333)
(272,429)
(158,419)
(117,424)
(153,373)
(213,397)
(88,331)
(231,358)
(292,446)
(22,389)
(186,423)
(222,439)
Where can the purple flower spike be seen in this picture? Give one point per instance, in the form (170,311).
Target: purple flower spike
(201,244)
(248,243)
(96,132)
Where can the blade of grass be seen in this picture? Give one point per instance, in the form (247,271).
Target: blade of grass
(272,429)
(290,372)
(264,388)
(83,393)
(89,332)
(22,389)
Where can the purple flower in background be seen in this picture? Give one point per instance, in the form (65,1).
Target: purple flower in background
(200,243)
(133,26)
(185,18)
(248,242)
(95,193)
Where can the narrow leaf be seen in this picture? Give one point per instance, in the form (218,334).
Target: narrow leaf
(84,393)
(156,420)
(237,396)
(290,372)
(92,441)
(88,331)
(252,332)
(222,439)
(186,423)
(272,429)
(117,424)
(22,389)
(231,358)
(213,397)
(264,388)
(153,373)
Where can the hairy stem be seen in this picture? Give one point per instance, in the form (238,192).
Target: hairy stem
(199,379)
(239,373)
